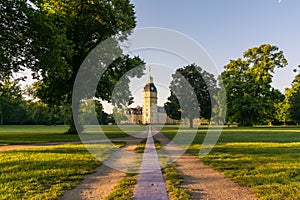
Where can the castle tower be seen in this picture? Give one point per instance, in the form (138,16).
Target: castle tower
(150,102)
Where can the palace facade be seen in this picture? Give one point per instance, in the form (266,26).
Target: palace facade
(150,113)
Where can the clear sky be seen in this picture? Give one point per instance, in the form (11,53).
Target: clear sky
(227,28)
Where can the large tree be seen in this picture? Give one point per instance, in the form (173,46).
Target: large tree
(293,99)
(250,96)
(282,113)
(61,33)
(191,92)
(15,39)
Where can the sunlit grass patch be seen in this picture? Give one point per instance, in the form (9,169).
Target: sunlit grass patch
(266,167)
(93,132)
(263,158)
(124,189)
(27,134)
(45,173)
(174,179)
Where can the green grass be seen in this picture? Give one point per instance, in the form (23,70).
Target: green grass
(124,189)
(45,173)
(140,147)
(29,134)
(34,134)
(115,131)
(173,181)
(263,158)
(272,169)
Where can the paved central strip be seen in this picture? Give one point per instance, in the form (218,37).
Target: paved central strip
(150,183)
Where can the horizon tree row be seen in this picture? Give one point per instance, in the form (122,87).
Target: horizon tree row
(22,107)
(246,84)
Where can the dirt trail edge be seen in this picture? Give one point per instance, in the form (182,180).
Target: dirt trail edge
(203,182)
(98,185)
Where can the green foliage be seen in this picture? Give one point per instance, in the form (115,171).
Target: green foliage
(54,37)
(15,38)
(12,105)
(282,109)
(293,98)
(250,96)
(85,25)
(172,107)
(119,115)
(14,109)
(219,109)
(40,113)
(116,78)
(191,92)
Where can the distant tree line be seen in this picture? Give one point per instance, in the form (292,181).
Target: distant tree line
(15,108)
(250,97)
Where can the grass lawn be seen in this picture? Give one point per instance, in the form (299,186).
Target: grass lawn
(34,134)
(263,158)
(44,173)
(10,134)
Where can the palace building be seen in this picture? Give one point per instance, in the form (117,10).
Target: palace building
(150,113)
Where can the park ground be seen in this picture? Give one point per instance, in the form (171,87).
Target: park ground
(264,159)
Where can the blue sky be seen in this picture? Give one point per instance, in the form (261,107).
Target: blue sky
(227,28)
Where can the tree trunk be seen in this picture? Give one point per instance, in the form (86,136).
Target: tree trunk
(75,126)
(191,122)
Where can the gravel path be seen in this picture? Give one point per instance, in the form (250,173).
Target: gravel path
(205,183)
(98,185)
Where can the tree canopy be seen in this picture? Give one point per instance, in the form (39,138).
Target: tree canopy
(250,96)
(53,37)
(12,106)
(15,40)
(293,99)
(191,92)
